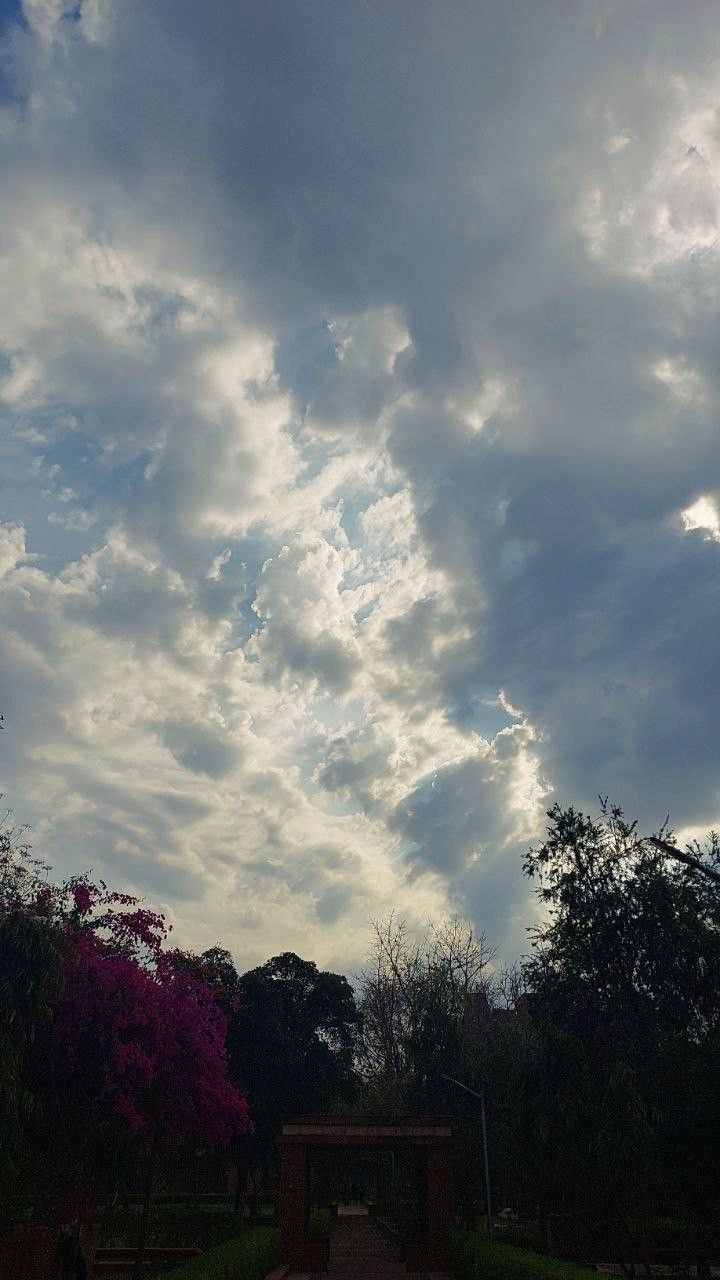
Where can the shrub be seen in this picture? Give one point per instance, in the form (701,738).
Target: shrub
(248,1257)
(475,1257)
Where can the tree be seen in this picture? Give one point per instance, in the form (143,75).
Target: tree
(31,978)
(120,1049)
(625,986)
(291,1043)
(418,1001)
(427,1010)
(215,968)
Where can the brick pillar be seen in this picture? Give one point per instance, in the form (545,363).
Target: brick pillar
(440,1206)
(293,1203)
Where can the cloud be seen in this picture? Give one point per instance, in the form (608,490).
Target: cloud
(358,446)
(12,547)
(307,619)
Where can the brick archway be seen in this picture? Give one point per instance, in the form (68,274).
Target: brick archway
(428,1137)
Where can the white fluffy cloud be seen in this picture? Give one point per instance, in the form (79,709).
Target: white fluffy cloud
(359,446)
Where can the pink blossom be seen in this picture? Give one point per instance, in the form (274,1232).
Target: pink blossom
(134,1047)
(82,896)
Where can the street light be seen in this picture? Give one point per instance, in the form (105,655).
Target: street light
(481,1096)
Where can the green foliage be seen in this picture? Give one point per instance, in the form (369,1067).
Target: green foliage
(475,1257)
(215,967)
(625,992)
(249,1257)
(291,1044)
(633,937)
(599,1058)
(30,977)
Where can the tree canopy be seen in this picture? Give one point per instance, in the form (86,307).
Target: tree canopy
(291,1041)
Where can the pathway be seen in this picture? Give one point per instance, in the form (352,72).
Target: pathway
(360,1248)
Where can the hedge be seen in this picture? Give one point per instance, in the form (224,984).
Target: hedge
(477,1258)
(249,1257)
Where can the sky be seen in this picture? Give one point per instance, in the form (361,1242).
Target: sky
(359,447)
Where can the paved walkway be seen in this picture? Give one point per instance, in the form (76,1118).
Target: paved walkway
(361,1250)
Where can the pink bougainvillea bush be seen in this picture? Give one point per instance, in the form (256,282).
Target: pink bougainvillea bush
(142,1047)
(132,1052)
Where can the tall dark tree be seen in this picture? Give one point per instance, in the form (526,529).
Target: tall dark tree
(291,1043)
(216,968)
(31,954)
(625,984)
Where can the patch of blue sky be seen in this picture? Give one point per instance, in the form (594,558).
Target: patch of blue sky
(355,502)
(12,18)
(245,625)
(59,545)
(22,501)
(480,713)
(128,477)
(72,450)
(315,456)
(43,456)
(252,550)
(302,355)
(249,554)
(11,14)
(363,613)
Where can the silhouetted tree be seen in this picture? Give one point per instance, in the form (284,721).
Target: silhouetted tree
(625,987)
(291,1044)
(419,1000)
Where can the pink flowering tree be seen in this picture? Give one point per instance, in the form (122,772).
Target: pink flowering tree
(134,1044)
(132,1056)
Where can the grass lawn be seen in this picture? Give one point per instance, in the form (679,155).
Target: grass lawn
(477,1258)
(249,1257)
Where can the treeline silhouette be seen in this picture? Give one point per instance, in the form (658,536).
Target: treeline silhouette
(598,1054)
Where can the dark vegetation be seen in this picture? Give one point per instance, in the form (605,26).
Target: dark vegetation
(181,1224)
(249,1257)
(127,1067)
(473,1255)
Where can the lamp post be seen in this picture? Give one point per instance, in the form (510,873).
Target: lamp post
(483,1119)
